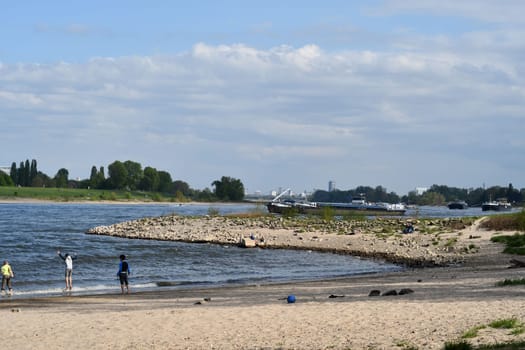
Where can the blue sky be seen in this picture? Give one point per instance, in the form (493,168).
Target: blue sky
(401,94)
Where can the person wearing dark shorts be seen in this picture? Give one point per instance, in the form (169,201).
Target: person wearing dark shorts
(7,274)
(123,273)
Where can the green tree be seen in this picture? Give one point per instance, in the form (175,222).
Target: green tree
(165,182)
(14,173)
(182,187)
(61,178)
(206,195)
(150,180)
(411,198)
(27,173)
(21,174)
(93,178)
(5,180)
(33,171)
(42,180)
(134,174)
(117,175)
(101,178)
(431,198)
(228,188)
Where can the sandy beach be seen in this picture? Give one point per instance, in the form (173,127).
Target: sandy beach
(330,314)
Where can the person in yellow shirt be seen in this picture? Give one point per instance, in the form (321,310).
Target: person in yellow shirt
(7,274)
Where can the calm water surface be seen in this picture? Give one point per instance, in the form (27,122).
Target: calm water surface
(30,235)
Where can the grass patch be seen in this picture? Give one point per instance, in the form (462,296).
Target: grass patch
(465,345)
(518,330)
(405,345)
(511,282)
(518,345)
(79,194)
(328,213)
(513,324)
(506,323)
(451,242)
(515,244)
(472,333)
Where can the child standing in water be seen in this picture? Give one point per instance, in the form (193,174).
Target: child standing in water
(68,260)
(7,274)
(123,273)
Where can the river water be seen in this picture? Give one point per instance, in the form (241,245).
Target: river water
(31,234)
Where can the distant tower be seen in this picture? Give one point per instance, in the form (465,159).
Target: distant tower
(331,186)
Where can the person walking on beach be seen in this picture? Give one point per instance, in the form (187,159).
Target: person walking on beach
(7,274)
(68,260)
(123,273)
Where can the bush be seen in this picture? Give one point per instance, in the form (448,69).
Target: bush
(510,282)
(506,222)
(458,345)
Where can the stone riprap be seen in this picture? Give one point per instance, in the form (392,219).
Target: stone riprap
(437,242)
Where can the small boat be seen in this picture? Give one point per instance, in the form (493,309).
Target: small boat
(457,205)
(500,204)
(358,205)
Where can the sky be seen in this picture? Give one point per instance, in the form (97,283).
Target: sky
(279,94)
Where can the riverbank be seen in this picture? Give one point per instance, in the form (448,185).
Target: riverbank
(334,314)
(444,302)
(436,242)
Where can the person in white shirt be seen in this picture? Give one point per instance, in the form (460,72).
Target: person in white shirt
(68,260)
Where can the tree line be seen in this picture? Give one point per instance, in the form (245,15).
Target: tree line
(131,176)
(441,195)
(127,175)
(435,195)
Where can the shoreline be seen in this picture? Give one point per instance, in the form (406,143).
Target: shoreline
(457,294)
(437,242)
(116,202)
(328,314)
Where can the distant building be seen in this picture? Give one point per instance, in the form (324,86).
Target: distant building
(5,169)
(331,186)
(421,190)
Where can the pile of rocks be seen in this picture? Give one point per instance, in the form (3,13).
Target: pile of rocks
(379,238)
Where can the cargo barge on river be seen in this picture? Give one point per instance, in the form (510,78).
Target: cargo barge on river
(357,206)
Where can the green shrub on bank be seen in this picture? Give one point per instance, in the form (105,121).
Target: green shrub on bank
(328,213)
(506,222)
(515,244)
(458,345)
(511,282)
(518,345)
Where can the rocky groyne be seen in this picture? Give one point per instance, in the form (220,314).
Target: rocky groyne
(438,242)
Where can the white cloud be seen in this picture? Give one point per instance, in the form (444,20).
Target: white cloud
(282,111)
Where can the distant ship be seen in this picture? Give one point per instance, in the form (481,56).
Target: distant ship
(457,205)
(500,204)
(358,205)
